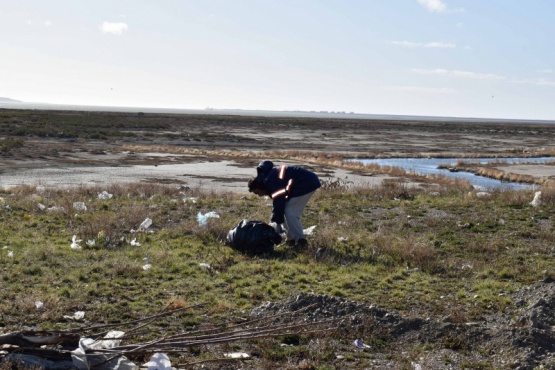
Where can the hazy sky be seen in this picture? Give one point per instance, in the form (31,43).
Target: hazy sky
(462,58)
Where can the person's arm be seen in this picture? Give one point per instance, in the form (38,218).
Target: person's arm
(278,210)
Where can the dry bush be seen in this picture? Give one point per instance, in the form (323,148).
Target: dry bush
(513,197)
(409,252)
(395,189)
(548,195)
(110,228)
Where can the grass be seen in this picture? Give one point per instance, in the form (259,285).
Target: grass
(428,253)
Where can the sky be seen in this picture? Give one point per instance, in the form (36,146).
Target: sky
(453,58)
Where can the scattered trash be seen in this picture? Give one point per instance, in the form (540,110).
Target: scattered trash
(342,239)
(482,194)
(536,202)
(147,264)
(205,265)
(39,305)
(80,206)
(203,218)
(465,225)
(253,237)
(42,207)
(190,200)
(105,195)
(55,208)
(237,355)
(145,224)
(75,242)
(84,360)
(309,230)
(10,254)
(415,366)
(135,243)
(159,361)
(108,344)
(90,242)
(360,344)
(79,315)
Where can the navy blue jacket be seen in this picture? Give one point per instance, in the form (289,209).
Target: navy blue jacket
(283,183)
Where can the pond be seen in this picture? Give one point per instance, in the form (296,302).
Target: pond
(429,166)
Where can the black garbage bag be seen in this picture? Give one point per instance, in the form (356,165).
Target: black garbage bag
(253,237)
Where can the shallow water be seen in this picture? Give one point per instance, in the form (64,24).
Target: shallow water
(429,166)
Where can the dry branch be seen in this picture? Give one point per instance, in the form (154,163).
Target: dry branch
(59,344)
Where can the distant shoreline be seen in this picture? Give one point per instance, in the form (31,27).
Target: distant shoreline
(14,104)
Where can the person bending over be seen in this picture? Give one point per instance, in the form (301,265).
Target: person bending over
(290,188)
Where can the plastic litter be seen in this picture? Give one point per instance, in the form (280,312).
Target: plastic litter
(309,230)
(146,267)
(135,243)
(10,254)
(41,206)
(75,242)
(482,194)
(159,361)
(145,224)
(76,316)
(205,265)
(360,344)
(203,218)
(39,305)
(536,202)
(253,237)
(237,355)
(105,195)
(80,206)
(415,366)
(83,361)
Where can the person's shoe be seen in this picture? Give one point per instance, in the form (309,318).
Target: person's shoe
(290,243)
(301,245)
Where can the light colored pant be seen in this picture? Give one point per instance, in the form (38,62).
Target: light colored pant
(294,208)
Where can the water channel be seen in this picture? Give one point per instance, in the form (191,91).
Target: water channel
(429,166)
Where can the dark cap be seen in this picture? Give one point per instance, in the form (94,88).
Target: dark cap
(264,167)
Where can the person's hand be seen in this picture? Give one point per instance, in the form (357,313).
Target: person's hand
(277,227)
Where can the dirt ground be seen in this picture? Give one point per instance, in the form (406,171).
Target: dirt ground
(79,161)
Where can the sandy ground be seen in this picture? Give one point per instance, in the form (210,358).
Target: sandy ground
(144,156)
(224,175)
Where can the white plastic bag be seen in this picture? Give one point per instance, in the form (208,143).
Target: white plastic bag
(203,218)
(145,224)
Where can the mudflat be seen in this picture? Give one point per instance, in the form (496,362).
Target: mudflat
(72,148)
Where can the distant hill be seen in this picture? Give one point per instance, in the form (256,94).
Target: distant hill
(8,100)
